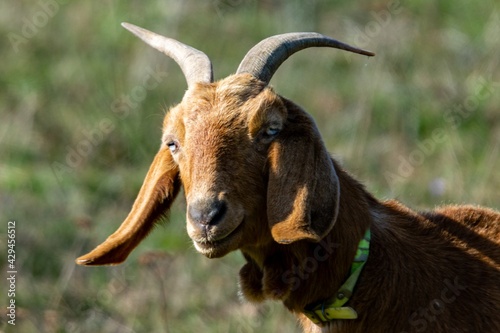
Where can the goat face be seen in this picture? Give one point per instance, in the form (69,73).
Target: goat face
(218,137)
(249,160)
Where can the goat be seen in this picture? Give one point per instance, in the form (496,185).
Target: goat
(258,178)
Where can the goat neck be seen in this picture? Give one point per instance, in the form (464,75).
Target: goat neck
(295,273)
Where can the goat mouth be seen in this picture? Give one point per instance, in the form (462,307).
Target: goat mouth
(219,247)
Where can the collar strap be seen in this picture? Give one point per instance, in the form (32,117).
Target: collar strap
(334,308)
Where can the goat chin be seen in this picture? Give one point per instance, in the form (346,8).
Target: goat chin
(258,178)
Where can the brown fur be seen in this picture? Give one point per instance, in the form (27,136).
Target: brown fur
(297,217)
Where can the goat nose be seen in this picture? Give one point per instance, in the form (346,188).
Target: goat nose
(207,212)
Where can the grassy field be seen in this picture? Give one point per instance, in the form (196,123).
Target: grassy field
(419,122)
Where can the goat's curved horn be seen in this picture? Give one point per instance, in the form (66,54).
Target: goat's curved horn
(265,57)
(195,64)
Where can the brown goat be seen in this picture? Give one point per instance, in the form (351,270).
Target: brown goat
(258,178)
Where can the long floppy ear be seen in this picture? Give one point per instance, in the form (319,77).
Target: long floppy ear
(303,189)
(157,193)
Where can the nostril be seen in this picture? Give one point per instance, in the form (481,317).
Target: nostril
(218,212)
(207,212)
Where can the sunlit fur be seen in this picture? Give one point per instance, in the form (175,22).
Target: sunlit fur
(297,217)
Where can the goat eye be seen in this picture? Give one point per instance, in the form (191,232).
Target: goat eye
(272,131)
(173,146)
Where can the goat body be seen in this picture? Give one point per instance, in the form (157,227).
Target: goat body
(258,178)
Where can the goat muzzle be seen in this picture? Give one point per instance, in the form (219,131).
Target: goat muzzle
(206,212)
(214,224)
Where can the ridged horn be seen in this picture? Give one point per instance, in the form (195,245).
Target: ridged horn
(195,64)
(264,59)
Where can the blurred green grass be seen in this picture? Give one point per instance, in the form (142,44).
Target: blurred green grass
(377,116)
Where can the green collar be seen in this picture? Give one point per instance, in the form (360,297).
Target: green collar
(333,308)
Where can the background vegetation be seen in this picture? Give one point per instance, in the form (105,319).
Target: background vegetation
(419,122)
